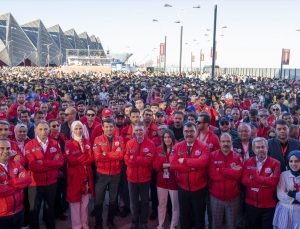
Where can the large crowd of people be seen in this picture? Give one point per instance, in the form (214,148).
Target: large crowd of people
(187,151)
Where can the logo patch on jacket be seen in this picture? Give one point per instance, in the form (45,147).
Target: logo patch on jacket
(181,153)
(117,144)
(146,150)
(251,167)
(15,170)
(87,147)
(218,162)
(197,152)
(53,150)
(268,170)
(2,174)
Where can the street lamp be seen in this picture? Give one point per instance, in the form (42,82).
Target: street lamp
(48,55)
(89,53)
(8,47)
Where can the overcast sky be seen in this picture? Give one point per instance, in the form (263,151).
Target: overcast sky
(257,29)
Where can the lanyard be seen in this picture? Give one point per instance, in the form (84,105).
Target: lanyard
(284,149)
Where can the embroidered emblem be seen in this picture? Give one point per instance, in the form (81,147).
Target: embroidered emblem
(117,144)
(198,153)
(15,170)
(146,150)
(87,147)
(53,150)
(268,170)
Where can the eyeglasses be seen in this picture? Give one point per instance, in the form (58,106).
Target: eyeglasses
(189,131)
(6,129)
(90,115)
(199,122)
(54,126)
(224,123)
(264,116)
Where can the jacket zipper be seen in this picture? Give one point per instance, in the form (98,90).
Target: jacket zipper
(137,168)
(189,185)
(225,179)
(110,148)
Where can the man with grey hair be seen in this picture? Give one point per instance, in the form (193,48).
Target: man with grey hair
(70,113)
(243,144)
(260,177)
(225,171)
(190,161)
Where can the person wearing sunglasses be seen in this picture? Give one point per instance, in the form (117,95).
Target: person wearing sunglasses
(93,126)
(276,112)
(61,192)
(225,127)
(263,126)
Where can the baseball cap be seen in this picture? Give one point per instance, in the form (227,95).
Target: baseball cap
(106,112)
(159,114)
(120,114)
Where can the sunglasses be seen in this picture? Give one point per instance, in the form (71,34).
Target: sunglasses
(224,123)
(54,126)
(199,122)
(275,109)
(90,115)
(264,116)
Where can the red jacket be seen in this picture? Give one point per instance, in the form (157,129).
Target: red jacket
(80,175)
(11,188)
(224,183)
(127,133)
(167,182)
(109,158)
(211,140)
(151,131)
(138,159)
(261,189)
(16,153)
(191,175)
(46,173)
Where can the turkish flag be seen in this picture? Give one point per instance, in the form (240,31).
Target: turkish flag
(286,56)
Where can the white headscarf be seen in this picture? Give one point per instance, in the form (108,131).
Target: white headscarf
(85,133)
(17,127)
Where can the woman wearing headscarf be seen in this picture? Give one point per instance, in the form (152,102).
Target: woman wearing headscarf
(80,179)
(21,136)
(287,213)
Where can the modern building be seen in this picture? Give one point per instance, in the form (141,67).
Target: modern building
(15,47)
(60,40)
(74,39)
(48,52)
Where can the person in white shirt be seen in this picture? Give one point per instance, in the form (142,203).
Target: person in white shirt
(288,192)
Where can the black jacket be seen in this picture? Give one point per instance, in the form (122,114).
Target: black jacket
(238,147)
(276,152)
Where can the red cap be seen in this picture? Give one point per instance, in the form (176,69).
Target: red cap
(106,112)
(3,115)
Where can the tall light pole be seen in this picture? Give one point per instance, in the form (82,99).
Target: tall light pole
(165,52)
(180,53)
(48,53)
(88,52)
(8,48)
(214,43)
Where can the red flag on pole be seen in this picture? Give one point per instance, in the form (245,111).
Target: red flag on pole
(162,49)
(286,57)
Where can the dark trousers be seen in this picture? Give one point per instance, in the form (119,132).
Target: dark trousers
(26,208)
(139,201)
(192,204)
(102,182)
(36,196)
(13,221)
(123,187)
(61,204)
(259,217)
(153,192)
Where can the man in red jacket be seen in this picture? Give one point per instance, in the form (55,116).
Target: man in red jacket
(190,161)
(138,158)
(260,176)
(225,171)
(44,160)
(13,179)
(205,135)
(108,153)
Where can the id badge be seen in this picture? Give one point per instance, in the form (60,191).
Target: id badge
(166,174)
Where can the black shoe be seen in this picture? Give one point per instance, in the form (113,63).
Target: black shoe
(63,217)
(153,215)
(98,227)
(111,225)
(144,226)
(133,226)
(124,213)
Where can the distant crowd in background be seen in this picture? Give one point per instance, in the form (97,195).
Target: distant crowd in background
(207,153)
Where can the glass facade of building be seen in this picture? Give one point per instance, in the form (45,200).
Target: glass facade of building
(15,47)
(35,45)
(61,41)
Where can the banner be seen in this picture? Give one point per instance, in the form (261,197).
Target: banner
(162,49)
(286,56)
